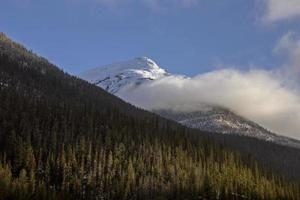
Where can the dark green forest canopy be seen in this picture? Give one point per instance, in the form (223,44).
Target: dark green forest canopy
(63,138)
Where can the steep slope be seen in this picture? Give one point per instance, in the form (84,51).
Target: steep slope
(63,138)
(131,74)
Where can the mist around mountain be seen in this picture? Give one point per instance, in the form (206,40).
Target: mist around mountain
(63,138)
(135,82)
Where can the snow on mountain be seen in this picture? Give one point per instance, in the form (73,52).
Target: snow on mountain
(130,74)
(124,74)
(221,120)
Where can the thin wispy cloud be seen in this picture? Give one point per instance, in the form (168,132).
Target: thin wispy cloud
(279,10)
(289,47)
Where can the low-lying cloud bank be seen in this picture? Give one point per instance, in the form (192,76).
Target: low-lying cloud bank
(258,95)
(270,98)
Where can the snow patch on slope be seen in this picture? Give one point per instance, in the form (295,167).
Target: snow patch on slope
(221,120)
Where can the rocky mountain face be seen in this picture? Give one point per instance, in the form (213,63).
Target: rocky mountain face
(133,73)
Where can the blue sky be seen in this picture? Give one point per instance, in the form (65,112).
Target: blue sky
(183,36)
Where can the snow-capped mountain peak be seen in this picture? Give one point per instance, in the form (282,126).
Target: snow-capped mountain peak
(116,76)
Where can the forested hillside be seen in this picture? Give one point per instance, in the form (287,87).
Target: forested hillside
(63,138)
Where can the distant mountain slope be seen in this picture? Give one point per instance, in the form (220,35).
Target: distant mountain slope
(131,74)
(220,120)
(63,138)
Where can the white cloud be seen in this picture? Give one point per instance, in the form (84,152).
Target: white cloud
(277,10)
(289,46)
(256,94)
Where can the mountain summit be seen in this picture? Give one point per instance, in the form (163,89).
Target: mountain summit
(124,74)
